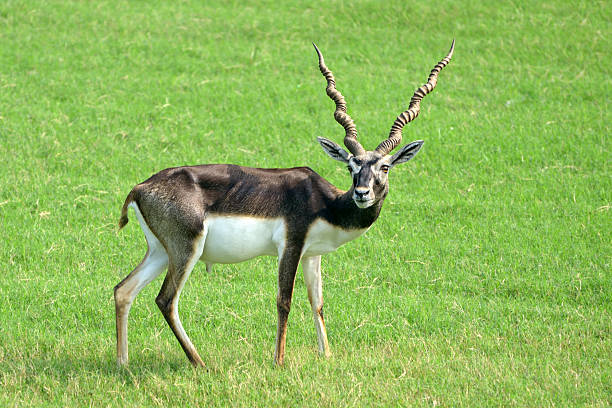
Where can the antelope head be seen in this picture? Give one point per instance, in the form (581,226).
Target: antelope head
(369,169)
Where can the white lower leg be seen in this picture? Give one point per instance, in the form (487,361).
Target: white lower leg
(154,263)
(312,278)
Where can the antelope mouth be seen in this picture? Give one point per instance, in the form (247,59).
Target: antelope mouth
(363,203)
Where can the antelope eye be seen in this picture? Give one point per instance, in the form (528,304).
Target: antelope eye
(385,169)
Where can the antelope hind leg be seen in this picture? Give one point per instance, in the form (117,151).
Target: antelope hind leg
(153,264)
(182,261)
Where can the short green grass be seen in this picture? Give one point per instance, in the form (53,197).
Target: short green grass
(486,281)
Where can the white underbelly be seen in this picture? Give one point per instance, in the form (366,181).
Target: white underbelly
(232,239)
(324,237)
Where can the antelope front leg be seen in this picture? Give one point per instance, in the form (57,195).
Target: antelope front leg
(287,268)
(312,278)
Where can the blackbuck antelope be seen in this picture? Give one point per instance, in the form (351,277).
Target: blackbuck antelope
(223,213)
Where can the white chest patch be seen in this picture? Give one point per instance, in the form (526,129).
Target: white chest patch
(324,237)
(233,239)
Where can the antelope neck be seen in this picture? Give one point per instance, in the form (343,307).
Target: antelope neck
(344,213)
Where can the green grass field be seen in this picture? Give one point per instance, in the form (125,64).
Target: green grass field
(486,282)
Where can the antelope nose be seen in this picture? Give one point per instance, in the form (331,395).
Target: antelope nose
(361,192)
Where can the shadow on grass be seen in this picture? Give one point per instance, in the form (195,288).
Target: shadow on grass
(63,369)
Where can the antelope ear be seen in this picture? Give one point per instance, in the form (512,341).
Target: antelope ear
(334,150)
(406,153)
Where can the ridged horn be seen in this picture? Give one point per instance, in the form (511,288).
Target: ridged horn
(350,138)
(395,135)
